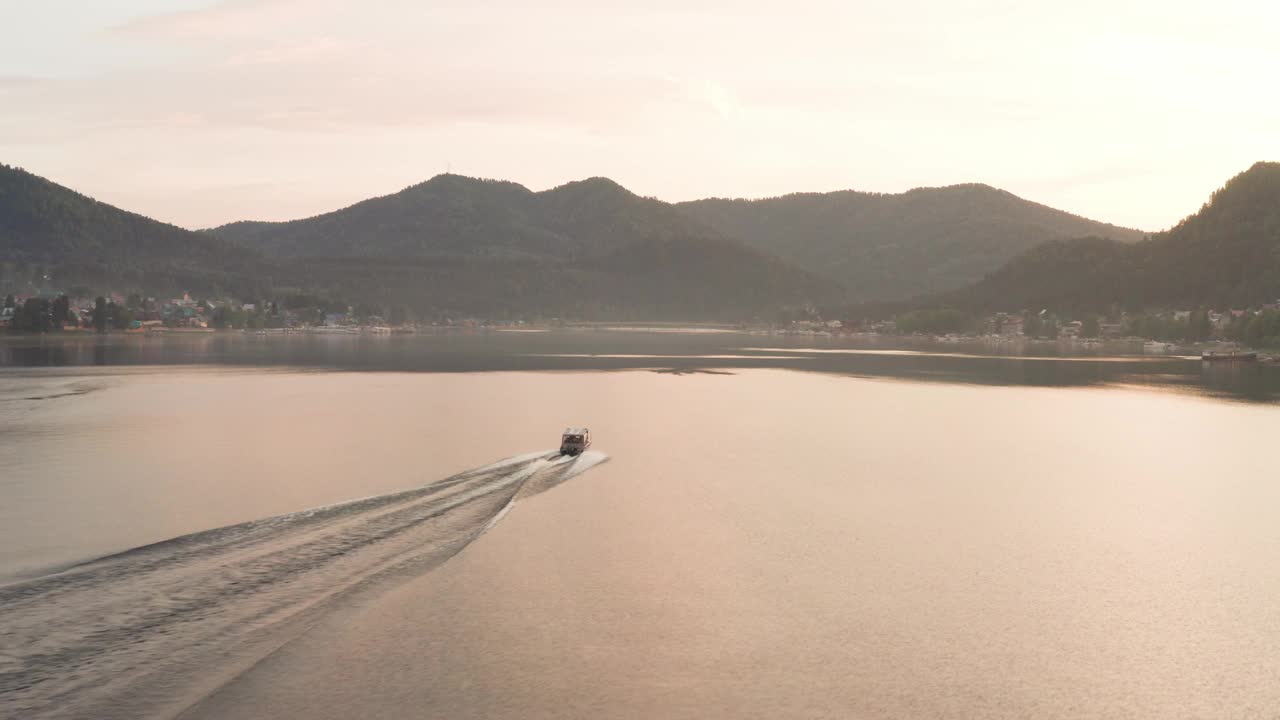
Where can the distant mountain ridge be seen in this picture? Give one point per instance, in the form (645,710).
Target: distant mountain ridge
(456,216)
(47,227)
(449,247)
(897,246)
(589,248)
(1226,254)
(873,246)
(594,250)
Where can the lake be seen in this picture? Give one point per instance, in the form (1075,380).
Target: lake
(235,525)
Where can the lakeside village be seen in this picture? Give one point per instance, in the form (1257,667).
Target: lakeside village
(1172,331)
(49,310)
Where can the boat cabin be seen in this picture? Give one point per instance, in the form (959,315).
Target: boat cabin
(575,440)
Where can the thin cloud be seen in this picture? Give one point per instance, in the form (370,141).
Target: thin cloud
(226,18)
(683,98)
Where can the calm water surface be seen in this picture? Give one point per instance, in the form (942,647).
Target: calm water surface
(767,527)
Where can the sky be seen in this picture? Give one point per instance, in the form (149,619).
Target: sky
(202,112)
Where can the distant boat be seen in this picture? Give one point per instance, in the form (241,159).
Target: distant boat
(1230,356)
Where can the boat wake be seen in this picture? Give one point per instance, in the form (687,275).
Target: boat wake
(143,632)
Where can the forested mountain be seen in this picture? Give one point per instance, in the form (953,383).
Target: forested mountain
(449,247)
(447,216)
(1227,254)
(47,229)
(703,279)
(450,216)
(893,247)
(586,249)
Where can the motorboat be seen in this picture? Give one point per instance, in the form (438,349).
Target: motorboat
(574,441)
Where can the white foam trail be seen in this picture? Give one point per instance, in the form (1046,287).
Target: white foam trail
(137,633)
(588,460)
(514,460)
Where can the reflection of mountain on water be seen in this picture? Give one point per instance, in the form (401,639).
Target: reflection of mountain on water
(671,353)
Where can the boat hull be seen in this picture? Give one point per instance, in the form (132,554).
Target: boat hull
(1229,357)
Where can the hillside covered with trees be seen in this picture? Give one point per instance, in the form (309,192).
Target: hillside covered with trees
(456,246)
(449,247)
(47,229)
(897,246)
(451,216)
(1225,255)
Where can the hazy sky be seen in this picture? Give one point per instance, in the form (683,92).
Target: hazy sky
(201,112)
